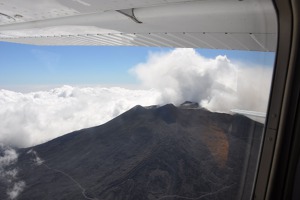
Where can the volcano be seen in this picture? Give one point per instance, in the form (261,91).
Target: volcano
(154,152)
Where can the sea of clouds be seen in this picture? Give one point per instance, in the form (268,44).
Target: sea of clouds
(32,118)
(170,77)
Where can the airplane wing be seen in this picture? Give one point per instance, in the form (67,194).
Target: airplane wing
(249,113)
(213,24)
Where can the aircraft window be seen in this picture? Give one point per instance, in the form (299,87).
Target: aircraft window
(205,144)
(119,122)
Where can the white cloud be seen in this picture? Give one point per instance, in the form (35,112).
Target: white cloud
(17,188)
(218,84)
(8,174)
(32,118)
(8,157)
(36,159)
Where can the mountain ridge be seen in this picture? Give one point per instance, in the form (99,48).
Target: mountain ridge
(164,152)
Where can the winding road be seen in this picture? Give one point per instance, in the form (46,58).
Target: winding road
(83,190)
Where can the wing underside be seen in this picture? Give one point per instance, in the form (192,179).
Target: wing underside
(212,24)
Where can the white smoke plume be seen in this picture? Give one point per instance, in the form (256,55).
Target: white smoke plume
(217,84)
(8,174)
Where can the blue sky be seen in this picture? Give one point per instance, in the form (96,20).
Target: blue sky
(22,65)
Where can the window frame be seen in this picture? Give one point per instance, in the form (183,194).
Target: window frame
(278,161)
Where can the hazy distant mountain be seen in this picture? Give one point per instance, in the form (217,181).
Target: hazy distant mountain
(150,153)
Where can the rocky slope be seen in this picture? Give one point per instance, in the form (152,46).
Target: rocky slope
(150,153)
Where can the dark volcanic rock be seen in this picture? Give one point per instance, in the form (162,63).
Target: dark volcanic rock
(189,104)
(155,153)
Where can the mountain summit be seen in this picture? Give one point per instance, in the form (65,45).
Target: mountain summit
(150,153)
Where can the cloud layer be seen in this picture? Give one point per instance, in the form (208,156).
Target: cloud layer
(171,77)
(32,118)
